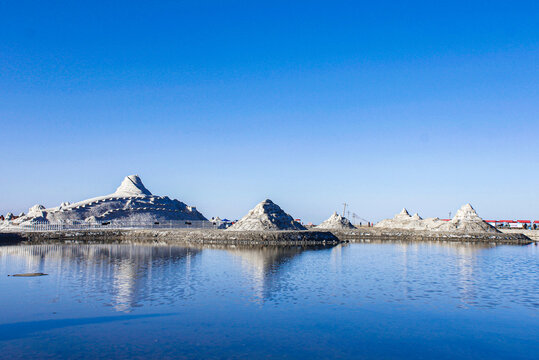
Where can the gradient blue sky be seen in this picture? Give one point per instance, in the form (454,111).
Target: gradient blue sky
(221,104)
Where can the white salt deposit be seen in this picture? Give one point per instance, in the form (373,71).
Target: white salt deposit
(465,220)
(416,217)
(267,216)
(131,202)
(131,186)
(336,222)
(404,214)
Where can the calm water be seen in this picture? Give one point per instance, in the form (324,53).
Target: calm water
(371,300)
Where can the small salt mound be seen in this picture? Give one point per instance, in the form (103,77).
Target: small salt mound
(401,220)
(267,216)
(36,209)
(404,214)
(416,217)
(336,222)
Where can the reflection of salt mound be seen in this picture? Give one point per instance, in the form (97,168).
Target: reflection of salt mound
(335,222)
(131,202)
(267,216)
(466,220)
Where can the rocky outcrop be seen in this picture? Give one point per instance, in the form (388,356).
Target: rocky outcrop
(266,216)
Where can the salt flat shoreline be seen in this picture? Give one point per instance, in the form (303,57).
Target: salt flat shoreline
(172,237)
(279,238)
(361,234)
(532,234)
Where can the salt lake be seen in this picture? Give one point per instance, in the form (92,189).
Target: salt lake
(365,300)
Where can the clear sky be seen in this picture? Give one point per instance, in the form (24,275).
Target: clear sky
(221,104)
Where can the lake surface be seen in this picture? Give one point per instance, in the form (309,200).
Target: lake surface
(367,300)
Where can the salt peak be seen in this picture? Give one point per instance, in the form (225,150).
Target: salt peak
(132,186)
(466,212)
(416,217)
(404,214)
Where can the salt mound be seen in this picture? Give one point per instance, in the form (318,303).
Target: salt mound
(416,217)
(131,202)
(400,221)
(467,220)
(404,214)
(267,216)
(335,222)
(467,213)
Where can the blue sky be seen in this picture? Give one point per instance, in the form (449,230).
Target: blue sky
(222,104)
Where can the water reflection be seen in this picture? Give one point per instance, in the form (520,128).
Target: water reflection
(126,277)
(471,274)
(267,266)
(125,272)
(377,299)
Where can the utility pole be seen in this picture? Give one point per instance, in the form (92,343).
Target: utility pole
(344,209)
(450,214)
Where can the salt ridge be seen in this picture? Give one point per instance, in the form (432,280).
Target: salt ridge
(465,220)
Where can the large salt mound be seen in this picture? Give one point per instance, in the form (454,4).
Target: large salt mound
(336,222)
(131,202)
(266,216)
(466,220)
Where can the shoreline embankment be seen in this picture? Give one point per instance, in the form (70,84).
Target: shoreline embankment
(275,238)
(361,234)
(532,234)
(172,237)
